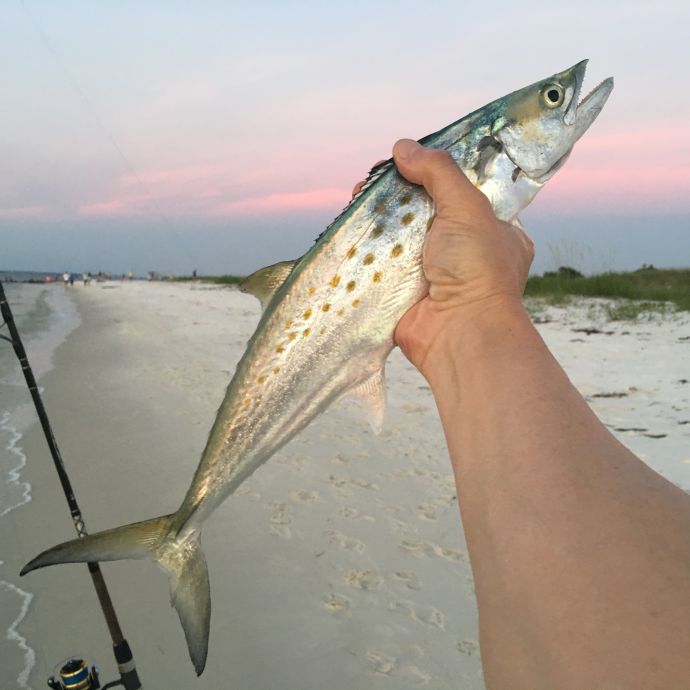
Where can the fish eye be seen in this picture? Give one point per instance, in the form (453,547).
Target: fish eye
(553,95)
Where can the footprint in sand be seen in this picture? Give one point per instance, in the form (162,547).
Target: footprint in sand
(304,496)
(431,616)
(468,646)
(362,579)
(248,493)
(339,459)
(426,512)
(363,484)
(348,512)
(468,586)
(410,579)
(280,520)
(342,541)
(335,479)
(422,548)
(382,663)
(424,614)
(416,675)
(337,604)
(280,531)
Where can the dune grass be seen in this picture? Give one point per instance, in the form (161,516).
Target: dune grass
(216,280)
(647,287)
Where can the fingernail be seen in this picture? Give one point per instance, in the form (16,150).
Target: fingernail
(405,148)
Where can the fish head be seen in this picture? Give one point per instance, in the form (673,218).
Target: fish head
(540,124)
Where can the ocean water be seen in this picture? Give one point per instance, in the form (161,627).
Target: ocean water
(45,315)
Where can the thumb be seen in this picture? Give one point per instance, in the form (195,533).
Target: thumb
(440,175)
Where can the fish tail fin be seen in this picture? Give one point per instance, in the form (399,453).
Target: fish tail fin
(178,552)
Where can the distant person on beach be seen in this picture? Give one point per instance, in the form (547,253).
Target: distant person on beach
(580,552)
(71,279)
(65,279)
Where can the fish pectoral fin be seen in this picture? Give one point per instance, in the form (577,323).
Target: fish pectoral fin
(371,396)
(264,282)
(518,224)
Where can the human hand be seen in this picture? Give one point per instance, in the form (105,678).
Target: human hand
(476,265)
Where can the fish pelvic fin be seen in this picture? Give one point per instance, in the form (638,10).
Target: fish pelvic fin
(370,395)
(179,554)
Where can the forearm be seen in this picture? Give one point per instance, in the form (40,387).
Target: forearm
(580,552)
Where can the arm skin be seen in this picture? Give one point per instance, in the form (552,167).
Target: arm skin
(580,552)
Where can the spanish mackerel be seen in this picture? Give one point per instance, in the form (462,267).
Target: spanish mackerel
(329,317)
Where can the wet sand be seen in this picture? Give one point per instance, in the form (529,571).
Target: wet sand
(341,563)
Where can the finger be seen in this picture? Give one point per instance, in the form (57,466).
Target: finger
(359,185)
(441,176)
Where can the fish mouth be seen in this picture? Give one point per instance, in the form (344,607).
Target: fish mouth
(588,108)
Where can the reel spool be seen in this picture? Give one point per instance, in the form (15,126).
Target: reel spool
(74,674)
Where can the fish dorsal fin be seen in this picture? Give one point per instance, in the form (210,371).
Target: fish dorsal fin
(377,172)
(371,396)
(264,282)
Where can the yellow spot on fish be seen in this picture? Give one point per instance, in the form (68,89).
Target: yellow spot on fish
(377,277)
(312,290)
(246,403)
(323,330)
(406,200)
(306,332)
(396,251)
(260,379)
(355,303)
(288,324)
(407,218)
(292,335)
(279,349)
(276,370)
(334,281)
(341,312)
(326,307)
(430,222)
(307,314)
(368,259)
(377,231)
(352,252)
(350,286)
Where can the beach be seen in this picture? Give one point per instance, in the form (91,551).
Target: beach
(341,563)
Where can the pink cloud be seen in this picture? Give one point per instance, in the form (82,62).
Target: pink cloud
(106,208)
(275,203)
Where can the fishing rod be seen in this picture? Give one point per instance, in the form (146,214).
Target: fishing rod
(75,673)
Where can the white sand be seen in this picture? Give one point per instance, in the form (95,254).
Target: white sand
(341,563)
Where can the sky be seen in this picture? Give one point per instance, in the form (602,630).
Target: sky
(224,136)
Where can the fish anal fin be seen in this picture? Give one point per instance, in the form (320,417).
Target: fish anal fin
(264,282)
(371,396)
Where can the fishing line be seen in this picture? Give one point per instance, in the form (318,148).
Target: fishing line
(105,132)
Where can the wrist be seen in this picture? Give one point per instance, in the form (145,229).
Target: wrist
(477,330)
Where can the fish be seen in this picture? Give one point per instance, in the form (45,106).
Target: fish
(328,322)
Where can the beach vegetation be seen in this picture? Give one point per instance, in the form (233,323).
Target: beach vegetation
(650,289)
(216,280)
